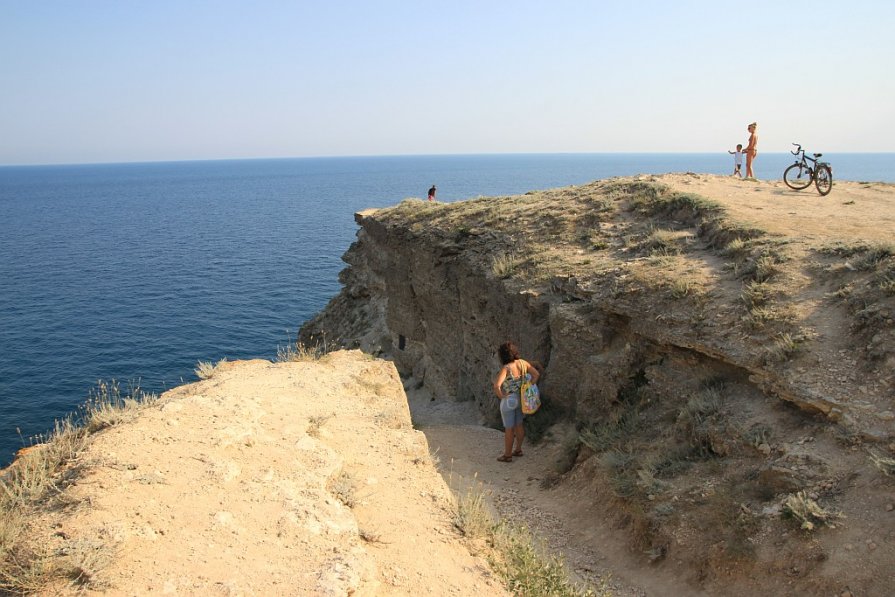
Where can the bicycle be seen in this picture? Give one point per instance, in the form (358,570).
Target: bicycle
(801,174)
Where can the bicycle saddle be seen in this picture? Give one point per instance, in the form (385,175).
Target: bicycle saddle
(817,155)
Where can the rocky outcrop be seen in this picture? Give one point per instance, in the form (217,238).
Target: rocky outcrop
(422,287)
(716,371)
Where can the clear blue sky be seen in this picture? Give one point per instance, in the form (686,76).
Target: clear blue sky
(114,80)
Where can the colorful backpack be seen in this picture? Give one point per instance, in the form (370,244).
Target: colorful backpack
(529,393)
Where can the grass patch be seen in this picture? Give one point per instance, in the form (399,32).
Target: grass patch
(35,482)
(680,288)
(756,294)
(503,266)
(762,266)
(864,257)
(662,242)
(873,256)
(471,517)
(784,346)
(886,283)
(297,352)
(207,369)
(737,249)
(654,200)
(757,435)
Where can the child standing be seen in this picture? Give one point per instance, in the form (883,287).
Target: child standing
(737,160)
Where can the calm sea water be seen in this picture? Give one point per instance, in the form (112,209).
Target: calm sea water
(135,272)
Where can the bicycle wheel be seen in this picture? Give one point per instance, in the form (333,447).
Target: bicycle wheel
(797,177)
(823,180)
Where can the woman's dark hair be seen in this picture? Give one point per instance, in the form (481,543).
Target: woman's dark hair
(507,353)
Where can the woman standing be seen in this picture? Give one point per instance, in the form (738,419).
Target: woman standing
(506,387)
(751,150)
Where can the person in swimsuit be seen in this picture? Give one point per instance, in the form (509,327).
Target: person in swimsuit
(506,387)
(432,193)
(751,150)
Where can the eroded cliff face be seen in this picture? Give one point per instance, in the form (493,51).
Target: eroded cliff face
(583,281)
(697,354)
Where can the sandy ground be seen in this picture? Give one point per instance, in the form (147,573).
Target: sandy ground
(270,479)
(852,211)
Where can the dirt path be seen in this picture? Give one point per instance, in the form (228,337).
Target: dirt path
(466,454)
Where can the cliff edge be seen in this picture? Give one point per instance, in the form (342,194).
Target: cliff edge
(298,478)
(719,362)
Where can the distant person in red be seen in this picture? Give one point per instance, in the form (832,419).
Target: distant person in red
(432,193)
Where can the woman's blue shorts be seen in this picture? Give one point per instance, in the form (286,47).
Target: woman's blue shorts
(511,411)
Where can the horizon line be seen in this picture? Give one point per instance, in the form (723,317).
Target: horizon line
(401,155)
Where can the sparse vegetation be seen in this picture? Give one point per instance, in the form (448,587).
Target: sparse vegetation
(662,242)
(472,518)
(807,512)
(207,369)
(35,481)
(681,287)
(503,266)
(756,294)
(784,346)
(297,352)
(884,464)
(757,435)
(654,200)
(342,486)
(513,553)
(697,421)
(736,248)
(316,422)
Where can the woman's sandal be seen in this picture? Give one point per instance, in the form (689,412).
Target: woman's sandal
(504,459)
(518,453)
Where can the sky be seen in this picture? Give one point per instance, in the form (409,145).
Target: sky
(84,81)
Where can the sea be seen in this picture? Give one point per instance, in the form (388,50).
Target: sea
(135,272)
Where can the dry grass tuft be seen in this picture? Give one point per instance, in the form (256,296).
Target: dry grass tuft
(806,511)
(885,464)
(298,352)
(503,266)
(472,517)
(784,346)
(207,369)
(681,287)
